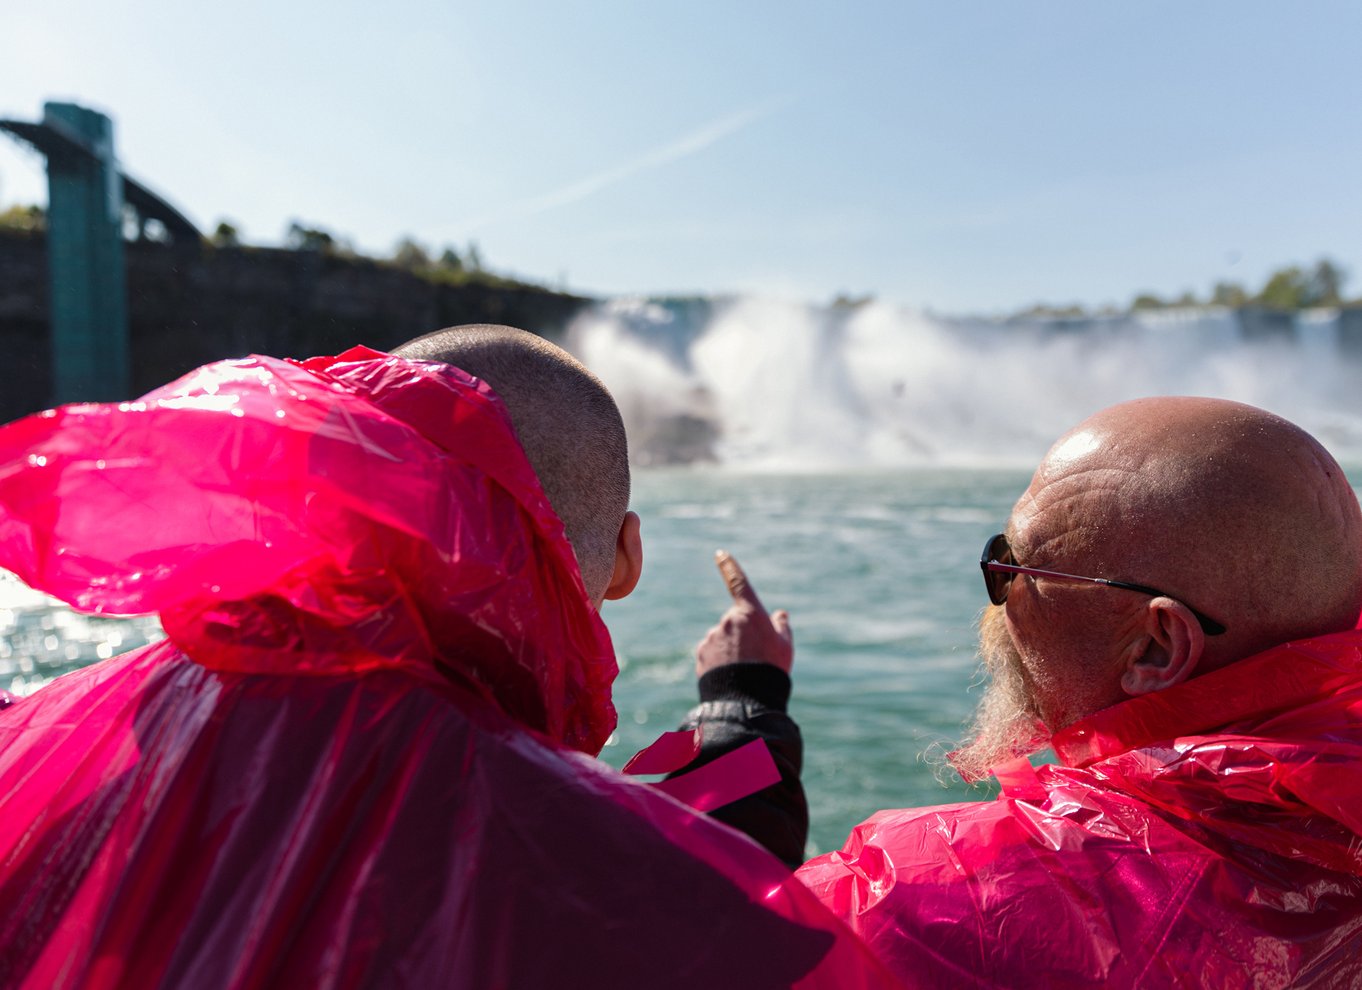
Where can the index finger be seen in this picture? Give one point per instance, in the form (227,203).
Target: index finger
(738,585)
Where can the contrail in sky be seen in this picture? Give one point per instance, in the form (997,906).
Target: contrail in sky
(685,146)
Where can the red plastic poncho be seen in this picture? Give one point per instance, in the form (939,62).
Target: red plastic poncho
(352,763)
(1209,836)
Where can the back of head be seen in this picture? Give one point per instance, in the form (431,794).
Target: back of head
(567,423)
(1242,512)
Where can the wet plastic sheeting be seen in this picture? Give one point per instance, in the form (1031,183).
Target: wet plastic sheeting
(360,758)
(1207,836)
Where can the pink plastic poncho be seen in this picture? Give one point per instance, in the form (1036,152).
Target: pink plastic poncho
(351,764)
(1205,836)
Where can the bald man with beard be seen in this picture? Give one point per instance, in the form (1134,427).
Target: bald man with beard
(1174,604)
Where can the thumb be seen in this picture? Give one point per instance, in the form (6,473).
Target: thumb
(781,620)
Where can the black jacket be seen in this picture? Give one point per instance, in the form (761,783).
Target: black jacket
(739,703)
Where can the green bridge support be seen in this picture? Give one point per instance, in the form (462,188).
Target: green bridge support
(85,260)
(89,202)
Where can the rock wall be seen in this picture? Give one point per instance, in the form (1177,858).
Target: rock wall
(27,383)
(189,306)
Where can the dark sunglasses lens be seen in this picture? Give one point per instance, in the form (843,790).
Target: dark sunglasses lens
(997,582)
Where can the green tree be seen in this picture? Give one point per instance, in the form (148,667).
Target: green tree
(26,219)
(1286,288)
(473,257)
(303,238)
(1147,300)
(225,235)
(1325,284)
(411,255)
(1229,294)
(450,261)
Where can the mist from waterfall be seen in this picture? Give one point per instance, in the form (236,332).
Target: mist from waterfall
(773,385)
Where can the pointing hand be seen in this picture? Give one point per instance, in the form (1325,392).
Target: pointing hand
(745,633)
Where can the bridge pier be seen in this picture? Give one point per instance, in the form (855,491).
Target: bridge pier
(88,283)
(87,196)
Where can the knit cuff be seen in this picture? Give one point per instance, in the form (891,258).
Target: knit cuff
(761,683)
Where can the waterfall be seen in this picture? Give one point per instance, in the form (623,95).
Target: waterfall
(785,386)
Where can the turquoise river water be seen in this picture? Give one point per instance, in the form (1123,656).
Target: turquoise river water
(878,570)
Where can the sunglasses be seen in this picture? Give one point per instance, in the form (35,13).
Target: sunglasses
(996,563)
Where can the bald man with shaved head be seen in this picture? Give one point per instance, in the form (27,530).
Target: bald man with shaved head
(362,757)
(1173,611)
(572,433)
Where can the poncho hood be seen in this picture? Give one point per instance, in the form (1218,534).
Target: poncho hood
(340,515)
(329,777)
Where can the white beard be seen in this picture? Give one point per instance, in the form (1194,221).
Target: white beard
(1007,722)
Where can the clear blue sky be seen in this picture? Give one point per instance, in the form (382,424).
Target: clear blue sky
(964,156)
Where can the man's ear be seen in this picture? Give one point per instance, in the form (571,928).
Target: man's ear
(628,558)
(1173,642)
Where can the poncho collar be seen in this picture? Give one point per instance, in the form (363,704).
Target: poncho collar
(1274,681)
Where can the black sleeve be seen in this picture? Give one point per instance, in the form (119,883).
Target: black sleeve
(738,703)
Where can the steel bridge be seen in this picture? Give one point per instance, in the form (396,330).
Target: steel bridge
(90,203)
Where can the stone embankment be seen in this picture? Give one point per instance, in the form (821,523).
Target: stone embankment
(190,306)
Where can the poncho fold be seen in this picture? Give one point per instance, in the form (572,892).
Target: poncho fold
(1209,835)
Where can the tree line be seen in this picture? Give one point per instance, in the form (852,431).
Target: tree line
(1291,287)
(450,264)
(408,253)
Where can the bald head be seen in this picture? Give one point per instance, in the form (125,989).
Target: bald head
(1224,508)
(567,423)
(1238,511)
